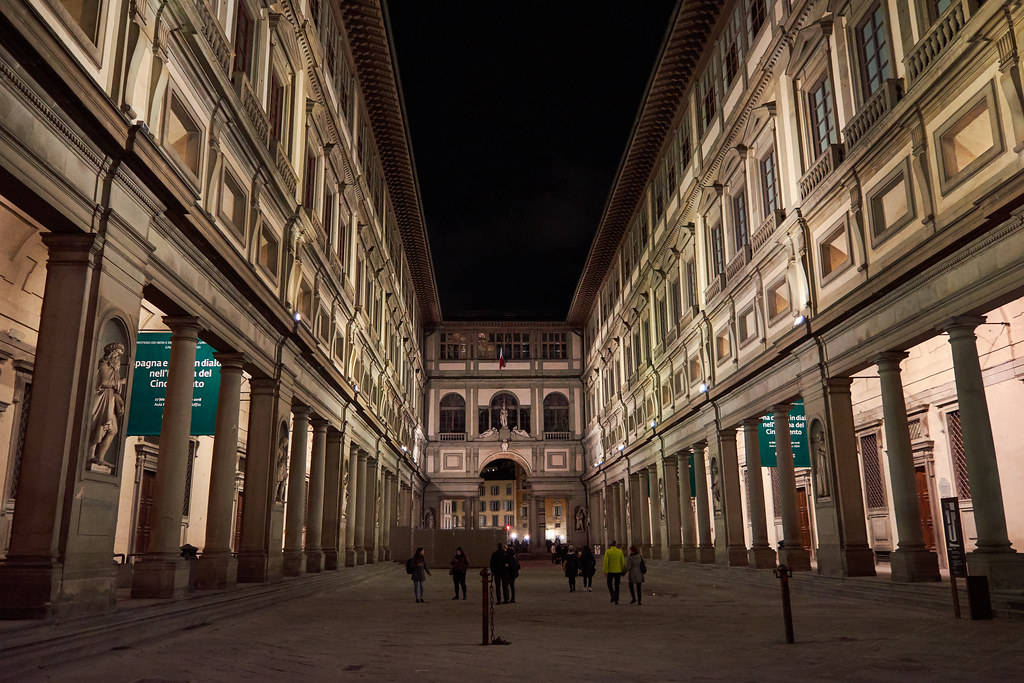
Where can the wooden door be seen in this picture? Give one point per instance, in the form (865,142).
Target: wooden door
(236,537)
(805,518)
(144,523)
(924,506)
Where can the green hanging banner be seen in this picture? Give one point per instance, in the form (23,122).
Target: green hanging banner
(797,435)
(149,386)
(693,477)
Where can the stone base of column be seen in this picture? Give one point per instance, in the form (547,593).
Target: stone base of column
(351,557)
(387,554)
(294,563)
(314,561)
(836,561)
(675,553)
(797,559)
(914,565)
(360,556)
(761,558)
(216,571)
(370,556)
(737,556)
(689,553)
(332,559)
(1003,569)
(656,553)
(36,590)
(163,578)
(645,550)
(258,567)
(706,554)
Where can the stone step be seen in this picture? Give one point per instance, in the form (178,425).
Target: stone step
(26,644)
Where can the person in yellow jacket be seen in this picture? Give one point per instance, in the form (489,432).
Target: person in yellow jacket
(614,566)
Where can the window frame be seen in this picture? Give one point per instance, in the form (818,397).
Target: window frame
(93,48)
(879,190)
(827,238)
(863,80)
(228,177)
(264,232)
(948,183)
(173,93)
(768,198)
(832,125)
(771,287)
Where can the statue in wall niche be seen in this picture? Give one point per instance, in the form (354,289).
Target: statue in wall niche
(822,475)
(281,467)
(503,415)
(581,519)
(661,497)
(716,486)
(344,496)
(428,519)
(108,406)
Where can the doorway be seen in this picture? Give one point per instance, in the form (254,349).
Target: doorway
(144,523)
(804,514)
(924,506)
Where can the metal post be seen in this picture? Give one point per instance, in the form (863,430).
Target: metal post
(485,579)
(783,573)
(956,597)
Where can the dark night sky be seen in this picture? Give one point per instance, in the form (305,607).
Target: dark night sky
(519,113)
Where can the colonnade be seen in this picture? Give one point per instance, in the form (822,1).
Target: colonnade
(707,524)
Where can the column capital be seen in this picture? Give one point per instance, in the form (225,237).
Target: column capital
(839,384)
(335,436)
(782,408)
(230,360)
(699,446)
(183,326)
(71,247)
(727,434)
(962,325)
(301,411)
(751,423)
(262,385)
(319,423)
(890,360)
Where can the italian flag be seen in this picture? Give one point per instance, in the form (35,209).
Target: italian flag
(501,357)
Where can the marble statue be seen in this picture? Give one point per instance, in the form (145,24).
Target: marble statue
(108,406)
(822,476)
(503,416)
(581,519)
(281,467)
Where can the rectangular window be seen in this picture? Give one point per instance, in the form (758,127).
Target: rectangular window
(747,324)
(483,520)
(87,14)
(508,491)
(245,34)
(328,217)
(777,299)
(822,110)
(874,488)
(182,135)
(968,140)
(309,181)
(513,345)
(873,44)
(276,109)
(556,510)
(834,251)
(707,96)
(509,520)
(305,303)
(453,346)
(494,490)
(662,311)
(494,520)
(741,232)
(696,375)
(554,346)
(675,302)
(691,285)
(891,203)
(716,251)
(343,232)
(232,204)
(507,505)
(757,12)
(685,151)
(770,184)
(959,456)
(723,349)
(267,256)
(495,505)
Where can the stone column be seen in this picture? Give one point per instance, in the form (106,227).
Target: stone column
(655,475)
(910,561)
(608,498)
(732,544)
(689,524)
(32,575)
(673,519)
(761,555)
(854,556)
(330,540)
(632,482)
(258,558)
(295,508)
(644,505)
(793,553)
(217,566)
(315,504)
(993,555)
(370,518)
(625,523)
(359,519)
(705,549)
(350,492)
(162,572)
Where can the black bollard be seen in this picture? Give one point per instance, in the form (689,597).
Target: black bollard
(484,581)
(783,573)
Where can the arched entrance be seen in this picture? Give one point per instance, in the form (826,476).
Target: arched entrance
(503,501)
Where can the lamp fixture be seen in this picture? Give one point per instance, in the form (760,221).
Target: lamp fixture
(799,320)
(297,317)
(622,447)
(654,423)
(703,388)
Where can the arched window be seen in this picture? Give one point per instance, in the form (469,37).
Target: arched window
(518,417)
(453,414)
(556,413)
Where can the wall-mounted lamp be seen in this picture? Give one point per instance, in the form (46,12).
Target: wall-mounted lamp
(654,423)
(799,320)
(703,388)
(622,447)
(297,317)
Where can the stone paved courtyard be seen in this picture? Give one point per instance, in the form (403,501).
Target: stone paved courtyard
(696,623)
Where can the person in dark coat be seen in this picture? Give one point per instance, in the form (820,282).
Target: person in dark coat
(498,573)
(571,566)
(460,563)
(511,573)
(588,566)
(420,571)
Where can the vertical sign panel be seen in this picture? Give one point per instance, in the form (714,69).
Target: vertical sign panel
(954,536)
(797,435)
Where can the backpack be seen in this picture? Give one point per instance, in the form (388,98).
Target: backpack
(410,566)
(643,566)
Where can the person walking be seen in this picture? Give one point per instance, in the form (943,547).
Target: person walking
(511,573)
(419,572)
(571,565)
(635,569)
(460,563)
(614,566)
(588,565)
(498,573)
